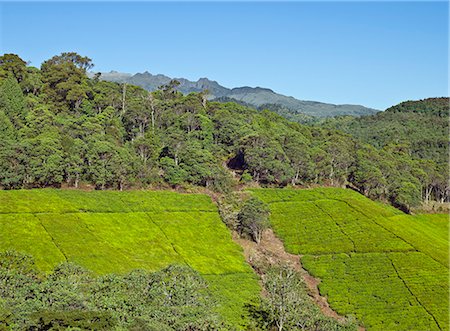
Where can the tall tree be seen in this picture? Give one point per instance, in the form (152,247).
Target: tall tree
(12,101)
(65,81)
(11,170)
(12,65)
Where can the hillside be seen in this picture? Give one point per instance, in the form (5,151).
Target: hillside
(59,127)
(254,96)
(389,269)
(419,127)
(116,232)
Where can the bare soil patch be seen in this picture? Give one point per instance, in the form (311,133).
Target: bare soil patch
(271,251)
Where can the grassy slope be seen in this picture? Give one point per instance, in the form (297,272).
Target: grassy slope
(115,232)
(388,268)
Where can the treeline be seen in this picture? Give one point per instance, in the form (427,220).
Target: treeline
(59,126)
(419,129)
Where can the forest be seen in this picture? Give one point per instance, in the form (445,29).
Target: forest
(58,127)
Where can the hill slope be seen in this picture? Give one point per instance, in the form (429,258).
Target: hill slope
(115,232)
(387,268)
(420,126)
(254,96)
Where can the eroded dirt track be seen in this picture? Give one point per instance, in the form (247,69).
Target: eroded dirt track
(271,251)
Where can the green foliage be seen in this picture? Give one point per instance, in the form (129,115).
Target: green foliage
(433,106)
(12,260)
(421,126)
(65,81)
(63,320)
(253,218)
(426,233)
(174,298)
(110,135)
(387,268)
(12,101)
(10,168)
(287,305)
(13,66)
(116,232)
(407,195)
(401,291)
(246,177)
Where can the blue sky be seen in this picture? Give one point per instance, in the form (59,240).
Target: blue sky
(371,53)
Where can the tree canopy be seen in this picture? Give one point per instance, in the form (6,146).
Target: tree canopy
(58,126)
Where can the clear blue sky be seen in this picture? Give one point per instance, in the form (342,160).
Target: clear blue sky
(375,54)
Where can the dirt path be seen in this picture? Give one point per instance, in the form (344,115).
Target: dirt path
(271,251)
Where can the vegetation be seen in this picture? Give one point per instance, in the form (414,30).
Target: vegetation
(57,126)
(287,305)
(175,298)
(417,128)
(253,219)
(426,233)
(388,268)
(60,128)
(117,232)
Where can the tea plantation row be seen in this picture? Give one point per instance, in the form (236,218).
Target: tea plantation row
(387,268)
(115,232)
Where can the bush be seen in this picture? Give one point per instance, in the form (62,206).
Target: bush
(175,298)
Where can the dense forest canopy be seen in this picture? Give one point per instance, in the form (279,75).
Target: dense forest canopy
(420,126)
(59,126)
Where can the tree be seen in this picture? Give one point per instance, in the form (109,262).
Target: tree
(32,83)
(169,90)
(340,151)
(43,159)
(297,151)
(11,170)
(124,166)
(12,65)
(366,174)
(42,155)
(12,101)
(137,115)
(265,159)
(102,161)
(283,302)
(198,163)
(147,147)
(407,195)
(173,173)
(65,81)
(74,159)
(288,306)
(253,219)
(71,297)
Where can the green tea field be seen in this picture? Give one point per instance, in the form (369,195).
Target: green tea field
(115,232)
(388,269)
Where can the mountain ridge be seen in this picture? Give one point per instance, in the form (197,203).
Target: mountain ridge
(254,96)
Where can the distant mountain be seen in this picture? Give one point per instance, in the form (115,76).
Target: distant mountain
(254,96)
(114,76)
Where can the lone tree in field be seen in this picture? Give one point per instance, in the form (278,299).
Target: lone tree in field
(253,219)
